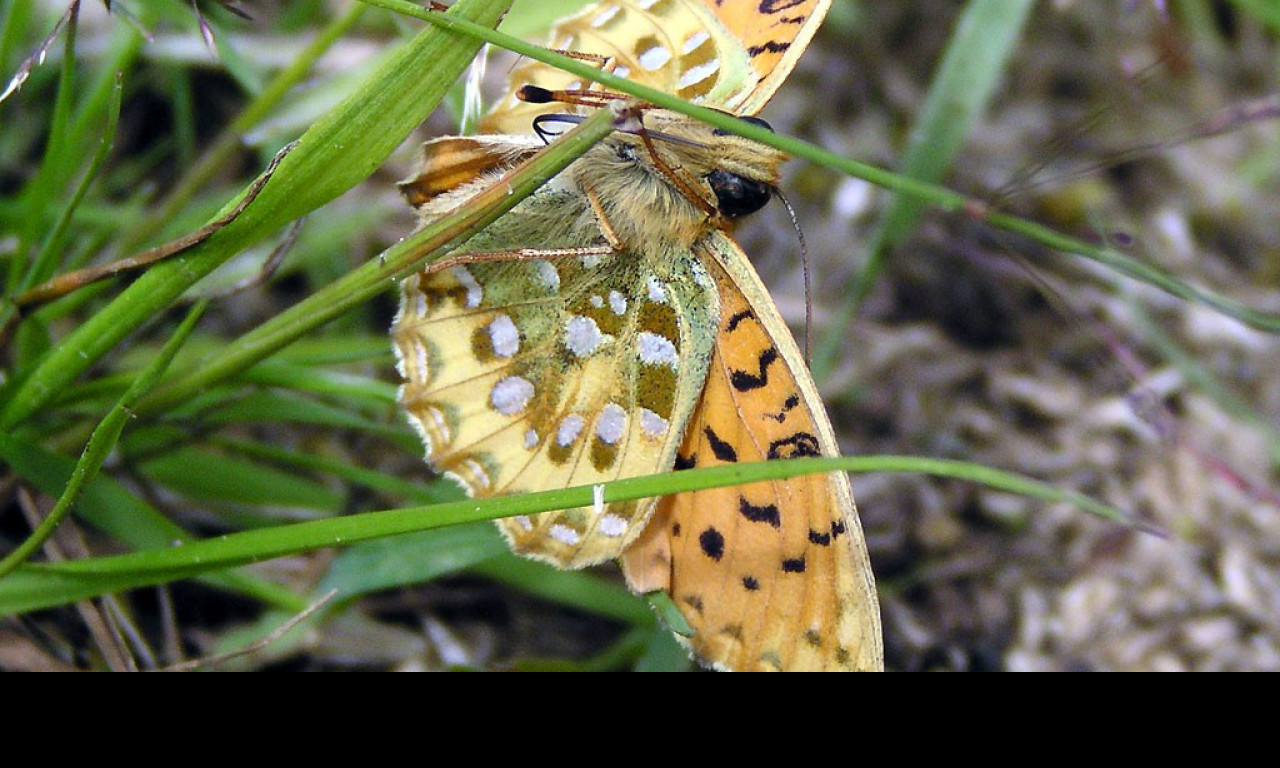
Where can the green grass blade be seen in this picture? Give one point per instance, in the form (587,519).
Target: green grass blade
(575,589)
(15,20)
(53,247)
(663,653)
(41,191)
(101,443)
(1203,378)
(37,586)
(109,507)
(1265,11)
(207,476)
(434,492)
(971,68)
(290,408)
(353,391)
(413,558)
(230,142)
(376,275)
(337,152)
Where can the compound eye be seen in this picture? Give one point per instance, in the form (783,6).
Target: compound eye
(749,119)
(737,196)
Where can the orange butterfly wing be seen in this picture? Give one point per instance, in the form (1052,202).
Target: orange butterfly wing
(770,575)
(774,34)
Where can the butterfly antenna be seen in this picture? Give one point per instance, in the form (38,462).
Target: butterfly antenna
(541,122)
(808,278)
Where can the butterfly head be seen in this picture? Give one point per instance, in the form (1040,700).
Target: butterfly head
(738,173)
(738,194)
(711,175)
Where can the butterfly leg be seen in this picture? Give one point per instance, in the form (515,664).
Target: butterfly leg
(606,229)
(678,176)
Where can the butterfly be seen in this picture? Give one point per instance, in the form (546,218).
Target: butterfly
(610,327)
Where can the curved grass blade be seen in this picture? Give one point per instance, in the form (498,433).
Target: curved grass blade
(337,152)
(38,586)
(101,443)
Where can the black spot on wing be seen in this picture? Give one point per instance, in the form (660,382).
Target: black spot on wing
(837,529)
(820,539)
(732,325)
(765,513)
(732,630)
(686,463)
(750,583)
(773,46)
(787,406)
(722,450)
(813,638)
(770,7)
(694,602)
(793,565)
(675,530)
(712,543)
(795,446)
(746,382)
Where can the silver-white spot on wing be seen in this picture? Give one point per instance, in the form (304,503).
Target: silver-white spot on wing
(695,75)
(654,58)
(504,336)
(475,294)
(613,526)
(583,337)
(657,291)
(655,349)
(607,12)
(510,395)
(617,302)
(565,535)
(653,425)
(547,274)
(612,424)
(570,427)
(693,41)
